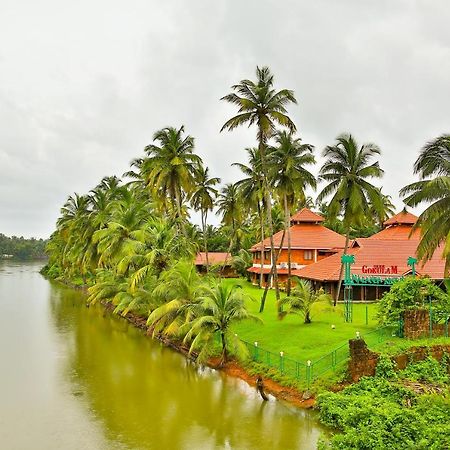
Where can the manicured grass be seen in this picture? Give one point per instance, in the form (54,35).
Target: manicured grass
(297,340)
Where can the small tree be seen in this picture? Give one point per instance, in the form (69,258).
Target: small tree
(302,299)
(219,307)
(412,293)
(241,262)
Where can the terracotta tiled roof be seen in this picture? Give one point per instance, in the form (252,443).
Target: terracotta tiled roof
(306,236)
(267,270)
(213,258)
(370,252)
(403,217)
(402,232)
(306,215)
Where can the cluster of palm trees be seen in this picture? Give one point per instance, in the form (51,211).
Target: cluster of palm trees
(126,238)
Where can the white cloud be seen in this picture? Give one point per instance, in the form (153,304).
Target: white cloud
(83,85)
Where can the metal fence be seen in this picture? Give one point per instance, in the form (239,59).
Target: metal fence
(311,370)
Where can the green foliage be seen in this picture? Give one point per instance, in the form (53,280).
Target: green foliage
(386,368)
(241,262)
(433,189)
(428,371)
(21,248)
(303,298)
(377,413)
(220,306)
(412,293)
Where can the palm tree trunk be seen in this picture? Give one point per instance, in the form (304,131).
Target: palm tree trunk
(307,316)
(268,199)
(224,349)
(205,240)
(266,289)
(261,221)
(341,271)
(287,226)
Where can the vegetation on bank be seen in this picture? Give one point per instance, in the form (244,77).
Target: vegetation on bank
(21,248)
(394,410)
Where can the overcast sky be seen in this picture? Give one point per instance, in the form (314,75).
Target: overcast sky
(84,85)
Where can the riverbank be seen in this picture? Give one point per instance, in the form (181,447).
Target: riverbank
(293,396)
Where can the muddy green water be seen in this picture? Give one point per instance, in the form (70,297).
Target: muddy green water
(73,377)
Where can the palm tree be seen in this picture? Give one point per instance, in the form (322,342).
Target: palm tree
(347,169)
(290,178)
(169,169)
(258,103)
(221,306)
(202,200)
(433,167)
(178,289)
(303,298)
(387,209)
(230,208)
(242,262)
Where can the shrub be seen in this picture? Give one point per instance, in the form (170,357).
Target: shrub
(412,293)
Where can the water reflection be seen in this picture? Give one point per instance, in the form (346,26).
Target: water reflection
(138,394)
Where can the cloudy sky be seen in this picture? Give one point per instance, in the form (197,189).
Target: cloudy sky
(83,85)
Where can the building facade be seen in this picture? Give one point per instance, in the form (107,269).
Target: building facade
(310,242)
(384,255)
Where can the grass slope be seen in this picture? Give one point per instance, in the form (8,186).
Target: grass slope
(297,340)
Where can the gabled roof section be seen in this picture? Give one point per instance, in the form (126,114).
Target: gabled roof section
(308,236)
(305,215)
(402,218)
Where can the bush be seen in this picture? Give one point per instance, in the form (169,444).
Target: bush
(412,293)
(378,413)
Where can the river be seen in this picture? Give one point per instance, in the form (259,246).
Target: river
(79,378)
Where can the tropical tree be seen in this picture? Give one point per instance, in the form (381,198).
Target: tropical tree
(291,178)
(221,306)
(202,200)
(433,168)
(346,170)
(303,298)
(169,169)
(178,289)
(155,247)
(242,262)
(230,208)
(260,104)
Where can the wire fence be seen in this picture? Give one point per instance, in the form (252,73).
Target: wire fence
(311,370)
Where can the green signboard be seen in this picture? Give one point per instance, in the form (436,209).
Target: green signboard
(351,280)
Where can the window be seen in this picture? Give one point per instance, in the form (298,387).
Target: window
(308,255)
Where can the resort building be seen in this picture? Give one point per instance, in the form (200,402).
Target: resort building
(217,260)
(384,255)
(311,242)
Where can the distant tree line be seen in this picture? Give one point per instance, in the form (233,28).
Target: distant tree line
(21,248)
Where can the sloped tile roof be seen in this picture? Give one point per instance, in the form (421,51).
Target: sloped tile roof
(403,217)
(402,232)
(370,252)
(213,258)
(306,236)
(306,215)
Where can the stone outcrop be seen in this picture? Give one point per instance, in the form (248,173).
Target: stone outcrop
(363,362)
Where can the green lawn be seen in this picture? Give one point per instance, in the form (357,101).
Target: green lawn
(299,341)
